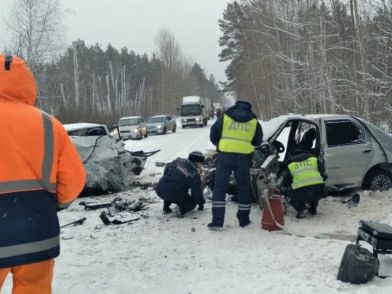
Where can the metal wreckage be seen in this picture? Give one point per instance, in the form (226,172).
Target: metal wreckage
(109,167)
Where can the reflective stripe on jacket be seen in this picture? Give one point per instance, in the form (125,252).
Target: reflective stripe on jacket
(237,136)
(305,173)
(40,171)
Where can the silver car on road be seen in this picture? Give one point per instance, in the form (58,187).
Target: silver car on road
(161,124)
(132,127)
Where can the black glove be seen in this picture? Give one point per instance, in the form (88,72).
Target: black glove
(201,207)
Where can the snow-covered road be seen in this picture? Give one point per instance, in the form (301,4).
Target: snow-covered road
(172,145)
(164,254)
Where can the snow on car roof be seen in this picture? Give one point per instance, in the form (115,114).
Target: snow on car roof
(81,126)
(190,99)
(270,126)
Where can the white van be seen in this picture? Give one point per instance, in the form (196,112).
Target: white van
(132,127)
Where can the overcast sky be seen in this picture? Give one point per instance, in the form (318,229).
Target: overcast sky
(134,24)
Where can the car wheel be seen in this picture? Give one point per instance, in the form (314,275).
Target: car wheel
(174,129)
(378,180)
(146,135)
(164,130)
(183,127)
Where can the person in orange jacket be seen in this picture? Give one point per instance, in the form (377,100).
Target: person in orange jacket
(40,173)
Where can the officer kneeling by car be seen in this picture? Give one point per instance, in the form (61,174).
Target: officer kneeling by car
(306,175)
(179,176)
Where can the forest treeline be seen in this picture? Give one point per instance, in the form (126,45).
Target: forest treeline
(89,83)
(310,56)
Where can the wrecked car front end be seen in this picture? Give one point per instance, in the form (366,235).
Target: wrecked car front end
(109,167)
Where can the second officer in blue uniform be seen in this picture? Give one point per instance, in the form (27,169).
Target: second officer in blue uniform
(235,134)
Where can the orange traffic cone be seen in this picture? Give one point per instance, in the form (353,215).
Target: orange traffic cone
(272,216)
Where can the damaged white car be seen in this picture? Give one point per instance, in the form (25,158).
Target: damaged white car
(109,167)
(357,154)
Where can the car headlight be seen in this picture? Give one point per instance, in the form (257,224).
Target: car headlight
(159,126)
(198,118)
(136,130)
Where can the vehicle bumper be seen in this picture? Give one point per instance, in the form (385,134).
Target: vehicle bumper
(155,131)
(130,136)
(192,123)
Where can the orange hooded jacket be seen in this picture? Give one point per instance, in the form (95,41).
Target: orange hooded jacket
(40,170)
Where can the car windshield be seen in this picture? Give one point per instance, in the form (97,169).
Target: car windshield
(192,109)
(156,119)
(128,122)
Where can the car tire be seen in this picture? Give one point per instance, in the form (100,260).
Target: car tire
(146,135)
(174,129)
(164,131)
(378,180)
(183,127)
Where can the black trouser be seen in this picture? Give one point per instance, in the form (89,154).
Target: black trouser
(172,193)
(310,194)
(225,164)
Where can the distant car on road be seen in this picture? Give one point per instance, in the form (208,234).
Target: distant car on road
(160,124)
(132,127)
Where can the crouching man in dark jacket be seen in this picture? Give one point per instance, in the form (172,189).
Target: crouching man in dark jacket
(180,176)
(306,175)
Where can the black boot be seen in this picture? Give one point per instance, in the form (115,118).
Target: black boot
(215,227)
(166,207)
(300,214)
(244,223)
(313,210)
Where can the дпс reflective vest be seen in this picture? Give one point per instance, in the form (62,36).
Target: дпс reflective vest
(305,173)
(237,136)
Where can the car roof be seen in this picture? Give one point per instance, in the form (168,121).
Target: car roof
(81,126)
(159,115)
(127,117)
(314,116)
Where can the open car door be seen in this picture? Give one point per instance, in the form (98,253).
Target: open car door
(270,157)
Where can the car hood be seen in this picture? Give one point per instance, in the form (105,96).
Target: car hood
(382,137)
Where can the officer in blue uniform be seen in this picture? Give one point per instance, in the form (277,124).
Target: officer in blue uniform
(234,134)
(180,176)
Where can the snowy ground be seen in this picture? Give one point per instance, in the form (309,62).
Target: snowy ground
(164,254)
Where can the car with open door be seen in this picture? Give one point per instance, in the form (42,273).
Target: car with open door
(356,153)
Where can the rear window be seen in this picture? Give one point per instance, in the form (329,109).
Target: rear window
(128,122)
(343,133)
